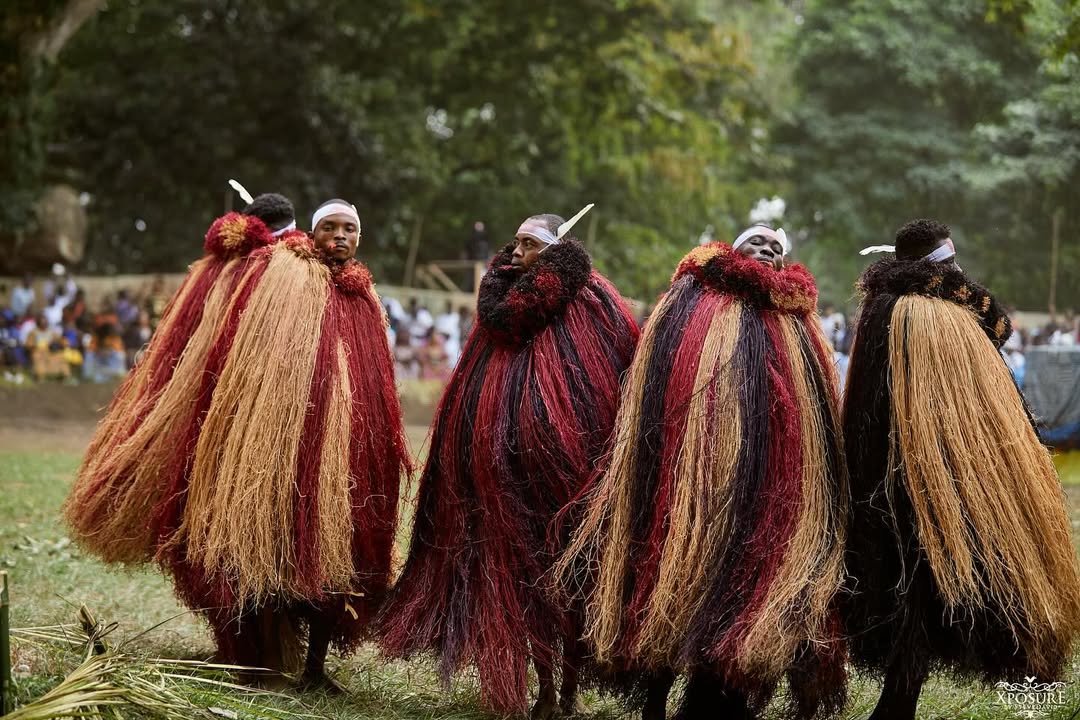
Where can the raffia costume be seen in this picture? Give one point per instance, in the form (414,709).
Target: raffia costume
(965,560)
(522,424)
(716,535)
(109,506)
(265,474)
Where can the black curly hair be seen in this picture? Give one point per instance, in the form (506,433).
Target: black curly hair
(273,209)
(919,238)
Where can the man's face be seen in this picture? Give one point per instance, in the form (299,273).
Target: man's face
(337,236)
(526,252)
(764,250)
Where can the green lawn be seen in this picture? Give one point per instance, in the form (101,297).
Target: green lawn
(50,578)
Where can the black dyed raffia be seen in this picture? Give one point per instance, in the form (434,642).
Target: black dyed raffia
(515,305)
(892,611)
(896,277)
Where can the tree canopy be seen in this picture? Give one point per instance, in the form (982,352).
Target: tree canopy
(670,115)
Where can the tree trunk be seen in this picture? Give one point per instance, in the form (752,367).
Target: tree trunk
(47,44)
(414,249)
(1055,247)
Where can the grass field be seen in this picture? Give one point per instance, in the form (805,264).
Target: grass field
(50,578)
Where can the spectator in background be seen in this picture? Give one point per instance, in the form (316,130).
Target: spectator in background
(54,312)
(449,326)
(72,334)
(106,315)
(22,297)
(156,300)
(420,322)
(434,360)
(104,359)
(1013,351)
(81,313)
(46,346)
(61,286)
(13,355)
(27,326)
(392,324)
(1065,332)
(834,325)
(127,312)
(405,358)
(394,311)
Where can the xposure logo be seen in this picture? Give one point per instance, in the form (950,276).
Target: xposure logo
(1031,699)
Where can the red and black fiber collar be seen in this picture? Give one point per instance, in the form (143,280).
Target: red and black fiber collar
(514,306)
(720,268)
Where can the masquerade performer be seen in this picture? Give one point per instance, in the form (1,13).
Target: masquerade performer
(964,560)
(524,420)
(108,507)
(297,427)
(716,534)
(275,463)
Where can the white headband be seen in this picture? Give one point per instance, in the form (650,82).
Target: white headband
(541,233)
(943,252)
(537,232)
(778,235)
(333,209)
(282,231)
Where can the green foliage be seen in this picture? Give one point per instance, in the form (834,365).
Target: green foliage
(26,109)
(924,109)
(1028,160)
(669,115)
(441,112)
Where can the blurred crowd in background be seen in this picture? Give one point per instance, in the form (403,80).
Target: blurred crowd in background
(426,346)
(49,331)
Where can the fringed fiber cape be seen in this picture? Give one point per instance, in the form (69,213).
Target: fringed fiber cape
(964,560)
(110,504)
(522,424)
(265,470)
(283,486)
(715,539)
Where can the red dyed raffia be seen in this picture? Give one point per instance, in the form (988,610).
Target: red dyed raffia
(168,514)
(676,409)
(378,451)
(378,458)
(138,393)
(514,441)
(782,501)
(101,476)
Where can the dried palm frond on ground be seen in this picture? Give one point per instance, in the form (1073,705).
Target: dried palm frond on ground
(111,679)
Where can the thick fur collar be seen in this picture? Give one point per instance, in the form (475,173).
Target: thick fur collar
(939,280)
(234,234)
(514,307)
(720,268)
